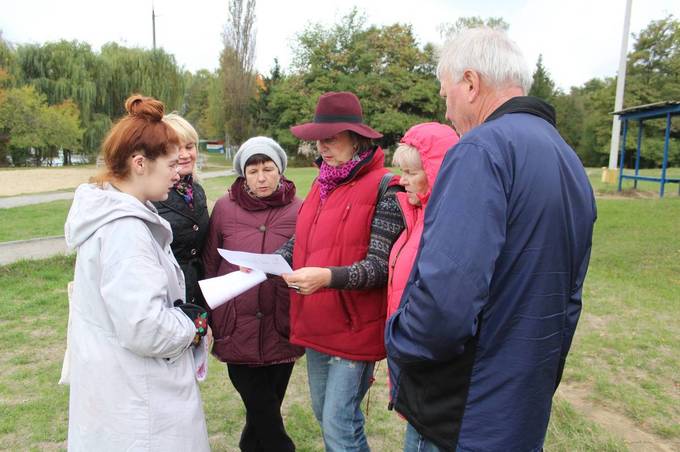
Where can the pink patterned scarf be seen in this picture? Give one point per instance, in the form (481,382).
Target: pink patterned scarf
(332,176)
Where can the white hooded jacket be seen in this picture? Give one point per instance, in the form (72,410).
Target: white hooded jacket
(132,375)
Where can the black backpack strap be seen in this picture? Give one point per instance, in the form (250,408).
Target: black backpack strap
(384,184)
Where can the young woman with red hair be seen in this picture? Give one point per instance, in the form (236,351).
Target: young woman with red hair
(131,367)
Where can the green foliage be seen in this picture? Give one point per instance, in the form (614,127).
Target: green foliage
(99,83)
(125,71)
(393,75)
(383,66)
(653,75)
(20,114)
(236,71)
(542,86)
(202,103)
(29,122)
(8,64)
(61,127)
(448,29)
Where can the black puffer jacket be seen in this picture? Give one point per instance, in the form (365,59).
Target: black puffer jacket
(189,230)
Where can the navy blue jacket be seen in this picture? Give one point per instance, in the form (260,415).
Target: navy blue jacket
(479,342)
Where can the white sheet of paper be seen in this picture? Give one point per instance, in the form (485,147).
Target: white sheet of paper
(221,289)
(274,264)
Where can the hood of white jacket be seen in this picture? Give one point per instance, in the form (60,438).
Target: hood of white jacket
(94,206)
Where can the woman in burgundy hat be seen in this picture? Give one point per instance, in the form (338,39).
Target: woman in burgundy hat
(345,229)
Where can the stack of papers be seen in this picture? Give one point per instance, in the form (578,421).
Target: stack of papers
(221,289)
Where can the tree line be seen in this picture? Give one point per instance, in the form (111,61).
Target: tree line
(65,96)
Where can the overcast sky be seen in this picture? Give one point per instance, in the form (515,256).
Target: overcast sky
(579,39)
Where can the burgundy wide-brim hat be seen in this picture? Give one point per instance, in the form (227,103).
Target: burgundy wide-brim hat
(335,113)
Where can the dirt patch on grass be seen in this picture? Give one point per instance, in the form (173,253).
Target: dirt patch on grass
(617,424)
(40,180)
(51,446)
(632,194)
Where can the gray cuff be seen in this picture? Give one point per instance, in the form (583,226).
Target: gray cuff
(339,277)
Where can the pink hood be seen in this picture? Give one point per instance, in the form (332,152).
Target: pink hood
(432,140)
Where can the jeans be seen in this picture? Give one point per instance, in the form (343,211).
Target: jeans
(337,387)
(262,390)
(414,442)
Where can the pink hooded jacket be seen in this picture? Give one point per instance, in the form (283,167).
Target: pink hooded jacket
(432,140)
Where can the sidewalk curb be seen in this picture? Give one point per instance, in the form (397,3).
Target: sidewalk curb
(38,248)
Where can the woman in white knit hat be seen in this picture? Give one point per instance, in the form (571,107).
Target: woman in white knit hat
(257,215)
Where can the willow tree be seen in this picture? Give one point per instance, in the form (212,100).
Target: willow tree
(99,83)
(236,68)
(61,71)
(8,64)
(125,71)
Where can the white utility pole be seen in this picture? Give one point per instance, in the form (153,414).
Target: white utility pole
(620,85)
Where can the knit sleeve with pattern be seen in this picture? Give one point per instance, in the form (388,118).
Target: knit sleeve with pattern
(286,250)
(371,272)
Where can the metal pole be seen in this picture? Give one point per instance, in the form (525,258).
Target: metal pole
(623,151)
(637,155)
(664,164)
(153,25)
(620,85)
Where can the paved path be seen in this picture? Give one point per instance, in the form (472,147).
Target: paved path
(42,248)
(222,173)
(25,200)
(32,249)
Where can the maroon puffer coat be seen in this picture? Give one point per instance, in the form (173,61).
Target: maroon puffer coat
(253,328)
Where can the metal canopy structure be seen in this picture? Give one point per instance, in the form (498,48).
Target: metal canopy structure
(640,114)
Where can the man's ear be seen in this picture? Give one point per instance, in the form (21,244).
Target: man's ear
(138,164)
(473,83)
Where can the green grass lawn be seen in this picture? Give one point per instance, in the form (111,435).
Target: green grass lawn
(35,408)
(624,354)
(37,220)
(628,340)
(644,188)
(214,162)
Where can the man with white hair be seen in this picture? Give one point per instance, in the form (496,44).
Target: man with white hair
(479,342)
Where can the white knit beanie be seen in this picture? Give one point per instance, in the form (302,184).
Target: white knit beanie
(260,145)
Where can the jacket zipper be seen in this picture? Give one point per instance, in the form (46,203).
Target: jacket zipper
(259,287)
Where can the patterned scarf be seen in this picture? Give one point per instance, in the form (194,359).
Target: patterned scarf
(185,188)
(332,176)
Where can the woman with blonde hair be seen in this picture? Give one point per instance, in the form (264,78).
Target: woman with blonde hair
(186,209)
(419,157)
(132,339)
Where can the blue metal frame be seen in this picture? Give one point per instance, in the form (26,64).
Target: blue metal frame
(642,113)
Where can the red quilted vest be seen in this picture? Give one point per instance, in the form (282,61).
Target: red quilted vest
(345,323)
